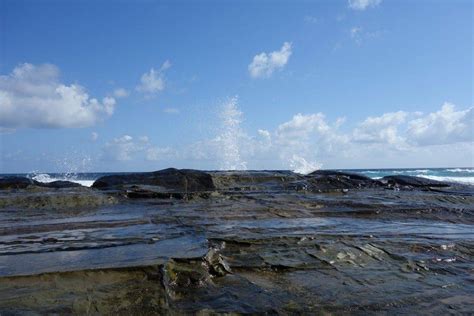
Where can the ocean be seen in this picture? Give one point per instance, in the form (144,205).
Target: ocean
(464,175)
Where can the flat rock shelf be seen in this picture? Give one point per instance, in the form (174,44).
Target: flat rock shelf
(256,242)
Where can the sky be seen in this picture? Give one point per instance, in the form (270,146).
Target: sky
(144,85)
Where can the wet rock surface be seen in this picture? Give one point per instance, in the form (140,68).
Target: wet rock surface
(413,181)
(258,242)
(184,180)
(9,183)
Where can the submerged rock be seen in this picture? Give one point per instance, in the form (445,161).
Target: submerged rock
(171,179)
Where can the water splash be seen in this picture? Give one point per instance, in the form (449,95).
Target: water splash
(229,139)
(300,165)
(68,169)
(74,163)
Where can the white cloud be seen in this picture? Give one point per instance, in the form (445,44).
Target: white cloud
(160,153)
(305,137)
(407,130)
(123,148)
(381,129)
(263,65)
(126,148)
(121,93)
(153,81)
(33,96)
(300,128)
(264,134)
(305,141)
(94,136)
(361,5)
(171,110)
(445,126)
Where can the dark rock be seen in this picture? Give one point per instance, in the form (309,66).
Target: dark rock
(149,194)
(39,197)
(413,181)
(253,180)
(348,175)
(184,180)
(23,182)
(183,274)
(15,183)
(58,184)
(328,180)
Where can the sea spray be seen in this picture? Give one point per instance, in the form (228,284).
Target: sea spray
(69,168)
(229,139)
(300,165)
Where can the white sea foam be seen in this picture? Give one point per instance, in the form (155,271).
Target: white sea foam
(302,166)
(46,178)
(463,180)
(412,171)
(466,170)
(421,171)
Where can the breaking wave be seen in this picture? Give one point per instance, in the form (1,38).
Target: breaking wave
(46,178)
(463,180)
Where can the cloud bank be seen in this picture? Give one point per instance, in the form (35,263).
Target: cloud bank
(33,96)
(307,141)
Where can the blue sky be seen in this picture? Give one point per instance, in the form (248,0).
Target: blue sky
(143,85)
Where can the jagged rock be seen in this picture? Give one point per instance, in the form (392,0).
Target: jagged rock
(184,180)
(413,181)
(216,263)
(181,274)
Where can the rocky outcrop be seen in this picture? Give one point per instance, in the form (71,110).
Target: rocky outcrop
(339,174)
(402,180)
(7,183)
(58,184)
(253,180)
(258,243)
(184,180)
(328,180)
(55,197)
(13,182)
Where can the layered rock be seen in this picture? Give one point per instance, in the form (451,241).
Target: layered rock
(402,180)
(244,242)
(184,180)
(13,182)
